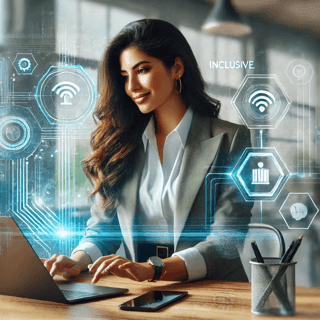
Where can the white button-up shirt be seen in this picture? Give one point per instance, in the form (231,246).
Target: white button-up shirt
(157,195)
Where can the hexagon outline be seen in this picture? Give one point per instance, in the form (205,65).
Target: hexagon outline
(317,210)
(281,180)
(279,118)
(25,73)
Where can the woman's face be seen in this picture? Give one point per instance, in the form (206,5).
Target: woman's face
(147,81)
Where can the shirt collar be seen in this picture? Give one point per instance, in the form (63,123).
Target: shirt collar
(182,129)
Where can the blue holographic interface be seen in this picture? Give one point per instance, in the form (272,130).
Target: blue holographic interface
(44,136)
(45,124)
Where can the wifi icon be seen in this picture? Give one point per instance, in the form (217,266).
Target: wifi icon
(262,99)
(66,90)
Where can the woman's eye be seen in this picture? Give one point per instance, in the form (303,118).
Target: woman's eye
(125,78)
(142,70)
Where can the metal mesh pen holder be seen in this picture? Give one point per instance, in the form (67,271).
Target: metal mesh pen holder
(272,287)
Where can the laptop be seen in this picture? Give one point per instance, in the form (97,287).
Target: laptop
(22,274)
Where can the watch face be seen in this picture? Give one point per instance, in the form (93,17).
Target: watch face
(156,261)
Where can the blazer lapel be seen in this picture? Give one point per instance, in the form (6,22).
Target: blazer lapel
(200,151)
(127,207)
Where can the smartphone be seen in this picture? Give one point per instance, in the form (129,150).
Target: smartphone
(153,300)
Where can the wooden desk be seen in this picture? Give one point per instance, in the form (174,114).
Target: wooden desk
(206,300)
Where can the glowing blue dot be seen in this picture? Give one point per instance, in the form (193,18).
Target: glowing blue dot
(63,233)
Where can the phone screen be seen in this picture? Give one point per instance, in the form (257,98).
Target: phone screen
(153,300)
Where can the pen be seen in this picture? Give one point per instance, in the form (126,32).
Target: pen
(284,257)
(294,249)
(257,252)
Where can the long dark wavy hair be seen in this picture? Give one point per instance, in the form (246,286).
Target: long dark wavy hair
(120,124)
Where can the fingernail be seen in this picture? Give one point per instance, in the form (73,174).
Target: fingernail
(89,266)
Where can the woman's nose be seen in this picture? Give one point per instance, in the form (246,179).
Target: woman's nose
(133,84)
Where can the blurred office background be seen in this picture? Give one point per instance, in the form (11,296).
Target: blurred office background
(45,189)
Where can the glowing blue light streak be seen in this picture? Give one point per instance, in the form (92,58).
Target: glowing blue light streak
(63,233)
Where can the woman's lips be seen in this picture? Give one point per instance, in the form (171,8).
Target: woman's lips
(141,98)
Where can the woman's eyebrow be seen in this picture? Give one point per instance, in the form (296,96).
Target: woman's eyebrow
(136,65)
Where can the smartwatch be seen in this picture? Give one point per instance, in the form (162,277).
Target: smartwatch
(158,266)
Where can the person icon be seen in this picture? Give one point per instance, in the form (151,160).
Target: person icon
(261,175)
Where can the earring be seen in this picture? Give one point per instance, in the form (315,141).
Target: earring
(180,85)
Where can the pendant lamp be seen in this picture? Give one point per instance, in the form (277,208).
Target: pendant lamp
(223,19)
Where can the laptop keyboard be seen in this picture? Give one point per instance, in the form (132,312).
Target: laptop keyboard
(72,295)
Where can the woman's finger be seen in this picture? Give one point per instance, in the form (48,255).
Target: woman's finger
(71,272)
(49,262)
(61,264)
(98,271)
(106,267)
(93,267)
(115,264)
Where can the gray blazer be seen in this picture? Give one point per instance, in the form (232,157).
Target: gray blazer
(212,145)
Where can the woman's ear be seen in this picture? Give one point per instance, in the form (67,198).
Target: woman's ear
(178,68)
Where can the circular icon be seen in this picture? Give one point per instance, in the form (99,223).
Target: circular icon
(261,102)
(299,71)
(15,133)
(24,64)
(20,132)
(298,211)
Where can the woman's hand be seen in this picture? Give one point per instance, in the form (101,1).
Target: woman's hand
(62,265)
(121,267)
(67,267)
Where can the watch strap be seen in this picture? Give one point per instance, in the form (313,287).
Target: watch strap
(157,273)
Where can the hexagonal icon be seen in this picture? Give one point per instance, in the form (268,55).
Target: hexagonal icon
(20,132)
(260,174)
(299,71)
(298,210)
(24,63)
(261,101)
(66,94)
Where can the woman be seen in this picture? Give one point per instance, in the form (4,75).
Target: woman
(157,137)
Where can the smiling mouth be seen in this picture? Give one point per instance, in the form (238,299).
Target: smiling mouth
(141,98)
